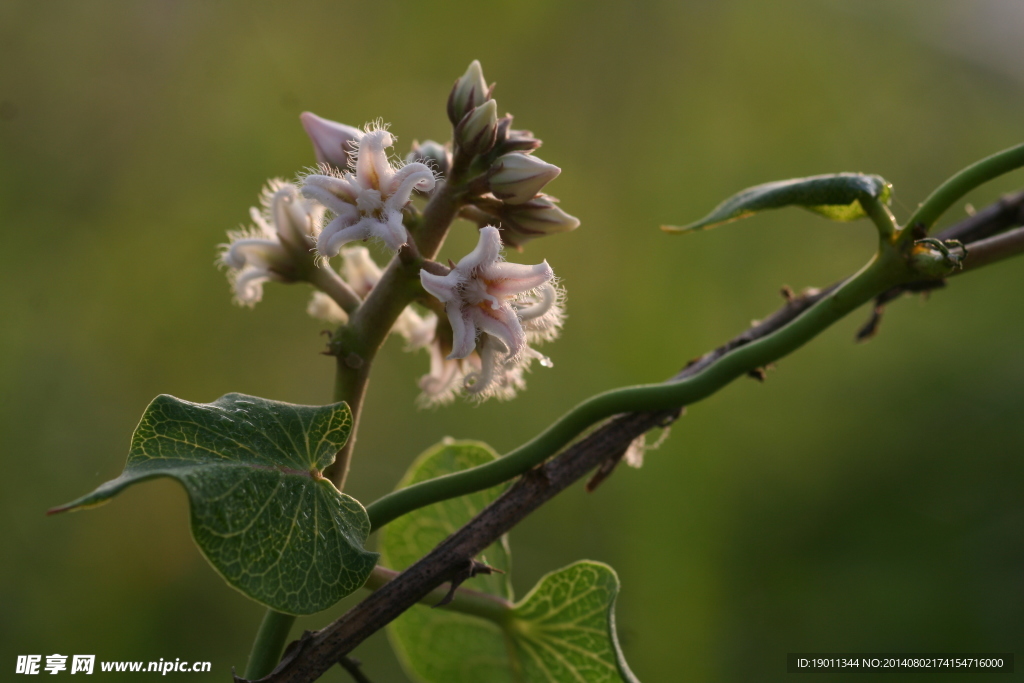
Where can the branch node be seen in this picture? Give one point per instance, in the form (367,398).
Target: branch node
(466,570)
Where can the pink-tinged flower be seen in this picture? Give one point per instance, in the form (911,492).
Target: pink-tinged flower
(277,247)
(333,142)
(368,200)
(496,311)
(479,293)
(362,274)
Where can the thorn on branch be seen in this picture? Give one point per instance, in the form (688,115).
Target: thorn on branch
(608,465)
(466,571)
(604,470)
(787,293)
(351,665)
(870,328)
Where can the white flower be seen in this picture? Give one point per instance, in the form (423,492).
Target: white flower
(367,201)
(277,247)
(496,311)
(362,274)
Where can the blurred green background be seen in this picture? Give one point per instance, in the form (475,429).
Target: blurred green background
(865,498)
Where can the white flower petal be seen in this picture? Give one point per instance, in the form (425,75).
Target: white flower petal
(487,251)
(262,253)
(337,233)
(444,287)
(463,331)
(414,176)
(248,285)
(373,170)
(509,279)
(333,192)
(501,323)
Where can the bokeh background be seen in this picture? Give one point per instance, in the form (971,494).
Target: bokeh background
(865,498)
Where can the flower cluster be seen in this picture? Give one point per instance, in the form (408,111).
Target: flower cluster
(362,274)
(367,200)
(278,246)
(495,313)
(496,310)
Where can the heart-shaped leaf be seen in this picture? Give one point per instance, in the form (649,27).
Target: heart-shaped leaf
(835,196)
(262,513)
(564,630)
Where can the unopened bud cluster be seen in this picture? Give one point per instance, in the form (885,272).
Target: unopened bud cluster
(501,166)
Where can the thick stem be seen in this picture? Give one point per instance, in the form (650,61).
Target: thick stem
(269,644)
(949,192)
(351,376)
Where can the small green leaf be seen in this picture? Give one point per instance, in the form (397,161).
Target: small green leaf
(834,196)
(564,630)
(262,513)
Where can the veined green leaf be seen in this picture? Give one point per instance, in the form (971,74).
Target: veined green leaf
(564,630)
(835,196)
(262,513)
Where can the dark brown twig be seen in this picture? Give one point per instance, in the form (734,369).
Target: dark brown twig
(351,665)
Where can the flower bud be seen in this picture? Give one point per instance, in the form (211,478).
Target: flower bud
(517,178)
(469,92)
(537,217)
(476,132)
(332,141)
(510,140)
(433,154)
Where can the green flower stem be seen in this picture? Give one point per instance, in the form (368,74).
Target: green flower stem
(881,216)
(269,644)
(883,272)
(328,282)
(465,600)
(437,217)
(356,344)
(963,182)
